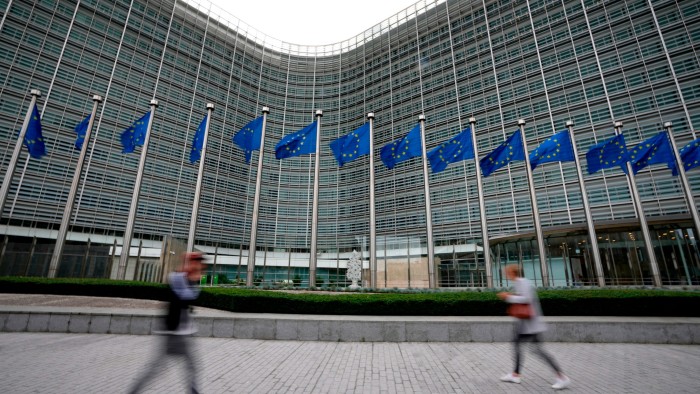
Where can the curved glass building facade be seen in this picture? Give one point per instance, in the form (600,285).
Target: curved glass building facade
(547,62)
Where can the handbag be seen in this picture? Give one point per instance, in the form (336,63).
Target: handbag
(520,311)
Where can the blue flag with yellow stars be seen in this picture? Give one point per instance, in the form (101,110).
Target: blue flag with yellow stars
(299,143)
(690,156)
(249,137)
(33,138)
(351,146)
(80,131)
(555,148)
(135,135)
(655,150)
(608,154)
(458,148)
(198,141)
(402,149)
(510,150)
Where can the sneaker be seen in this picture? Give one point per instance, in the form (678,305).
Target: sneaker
(510,378)
(561,383)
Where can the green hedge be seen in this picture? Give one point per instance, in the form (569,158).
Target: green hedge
(84,287)
(560,302)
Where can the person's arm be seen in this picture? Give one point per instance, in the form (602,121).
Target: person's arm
(182,288)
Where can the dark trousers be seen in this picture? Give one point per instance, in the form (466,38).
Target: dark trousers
(173,345)
(520,337)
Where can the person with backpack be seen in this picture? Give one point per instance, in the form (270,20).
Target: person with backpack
(183,289)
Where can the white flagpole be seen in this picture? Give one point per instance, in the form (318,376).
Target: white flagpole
(314,214)
(535,210)
(68,210)
(7,182)
(128,232)
(587,210)
(649,247)
(198,188)
(372,216)
(432,282)
(256,204)
(482,208)
(684,179)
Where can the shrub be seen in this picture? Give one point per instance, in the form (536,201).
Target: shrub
(560,302)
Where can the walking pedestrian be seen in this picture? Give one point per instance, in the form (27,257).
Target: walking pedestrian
(184,288)
(528,326)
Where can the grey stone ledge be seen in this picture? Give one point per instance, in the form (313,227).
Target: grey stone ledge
(338,328)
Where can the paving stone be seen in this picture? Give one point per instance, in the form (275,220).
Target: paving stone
(106,363)
(119,324)
(38,322)
(79,323)
(99,324)
(222,328)
(17,322)
(141,325)
(58,322)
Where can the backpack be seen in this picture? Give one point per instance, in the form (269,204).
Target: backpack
(175,307)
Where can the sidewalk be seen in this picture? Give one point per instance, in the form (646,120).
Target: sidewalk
(96,363)
(64,362)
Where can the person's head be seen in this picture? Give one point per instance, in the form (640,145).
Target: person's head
(512,271)
(192,265)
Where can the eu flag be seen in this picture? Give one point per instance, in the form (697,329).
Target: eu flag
(655,150)
(299,143)
(198,141)
(33,139)
(80,131)
(351,146)
(510,150)
(690,156)
(402,149)
(135,135)
(249,137)
(607,154)
(555,148)
(458,148)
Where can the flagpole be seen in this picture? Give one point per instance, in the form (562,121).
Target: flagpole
(482,208)
(535,210)
(68,210)
(198,189)
(684,179)
(256,204)
(649,247)
(128,232)
(314,218)
(372,217)
(587,210)
(7,182)
(428,213)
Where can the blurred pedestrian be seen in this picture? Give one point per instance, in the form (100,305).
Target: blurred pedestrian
(525,306)
(184,288)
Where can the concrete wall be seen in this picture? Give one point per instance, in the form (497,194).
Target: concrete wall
(360,328)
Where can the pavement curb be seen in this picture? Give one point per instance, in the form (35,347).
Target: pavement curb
(336,328)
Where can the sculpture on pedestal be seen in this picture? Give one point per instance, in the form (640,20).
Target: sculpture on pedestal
(354,273)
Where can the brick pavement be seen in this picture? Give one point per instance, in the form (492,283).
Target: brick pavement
(92,363)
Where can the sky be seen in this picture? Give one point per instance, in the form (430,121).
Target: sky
(312,22)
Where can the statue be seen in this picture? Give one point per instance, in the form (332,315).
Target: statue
(354,273)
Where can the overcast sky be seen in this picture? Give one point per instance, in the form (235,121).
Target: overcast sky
(312,22)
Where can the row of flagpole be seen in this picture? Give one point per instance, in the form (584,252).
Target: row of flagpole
(138,134)
(610,153)
(360,142)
